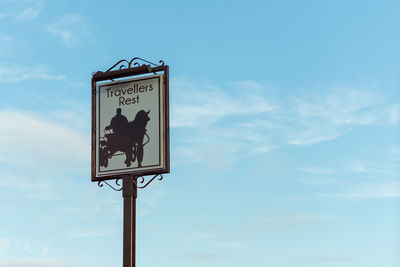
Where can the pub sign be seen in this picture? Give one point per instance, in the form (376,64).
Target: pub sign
(130,131)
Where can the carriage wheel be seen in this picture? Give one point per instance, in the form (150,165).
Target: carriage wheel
(103,158)
(105,163)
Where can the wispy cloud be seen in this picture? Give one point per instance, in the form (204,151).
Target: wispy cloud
(317,170)
(197,106)
(32,11)
(5,38)
(379,189)
(39,188)
(22,10)
(73,30)
(357,166)
(298,219)
(223,124)
(321,181)
(17,73)
(5,243)
(6,42)
(9,45)
(376,190)
(152,197)
(195,256)
(34,262)
(230,244)
(31,145)
(325,116)
(322,259)
(395,155)
(218,125)
(28,138)
(92,233)
(29,14)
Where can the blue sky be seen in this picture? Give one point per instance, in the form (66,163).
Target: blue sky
(285,137)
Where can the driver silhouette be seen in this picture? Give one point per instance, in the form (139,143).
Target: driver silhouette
(118,122)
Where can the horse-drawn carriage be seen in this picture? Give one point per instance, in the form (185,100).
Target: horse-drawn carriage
(128,140)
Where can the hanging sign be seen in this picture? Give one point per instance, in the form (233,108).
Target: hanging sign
(131,128)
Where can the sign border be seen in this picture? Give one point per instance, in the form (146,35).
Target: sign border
(132,73)
(160,81)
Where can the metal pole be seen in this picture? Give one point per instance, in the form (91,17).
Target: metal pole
(129,193)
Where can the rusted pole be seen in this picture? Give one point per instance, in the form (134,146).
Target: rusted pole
(129,193)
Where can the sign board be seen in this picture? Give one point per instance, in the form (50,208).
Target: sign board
(130,135)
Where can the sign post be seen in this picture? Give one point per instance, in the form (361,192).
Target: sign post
(129,194)
(130,133)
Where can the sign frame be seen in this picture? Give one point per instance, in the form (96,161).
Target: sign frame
(132,72)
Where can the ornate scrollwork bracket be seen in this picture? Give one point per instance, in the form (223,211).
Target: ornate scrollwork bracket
(139,180)
(117,182)
(136,61)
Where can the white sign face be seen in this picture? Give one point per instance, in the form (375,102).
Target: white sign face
(130,126)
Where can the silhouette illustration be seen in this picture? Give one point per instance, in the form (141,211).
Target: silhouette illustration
(126,137)
(118,122)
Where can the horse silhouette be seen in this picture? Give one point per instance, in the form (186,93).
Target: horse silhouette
(128,139)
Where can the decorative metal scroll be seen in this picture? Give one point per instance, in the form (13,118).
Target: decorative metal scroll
(139,181)
(125,64)
(117,182)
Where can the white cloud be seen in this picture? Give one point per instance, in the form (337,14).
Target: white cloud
(6,42)
(321,260)
(314,134)
(297,219)
(92,233)
(22,10)
(27,248)
(34,262)
(30,13)
(213,239)
(321,181)
(376,190)
(395,155)
(393,112)
(154,196)
(194,257)
(230,244)
(73,30)
(5,37)
(18,73)
(220,125)
(328,115)
(5,243)
(379,189)
(10,46)
(36,154)
(197,106)
(32,182)
(45,250)
(29,139)
(73,115)
(357,166)
(317,170)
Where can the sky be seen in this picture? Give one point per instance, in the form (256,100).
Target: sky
(285,133)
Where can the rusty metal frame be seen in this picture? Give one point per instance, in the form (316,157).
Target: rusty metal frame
(123,69)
